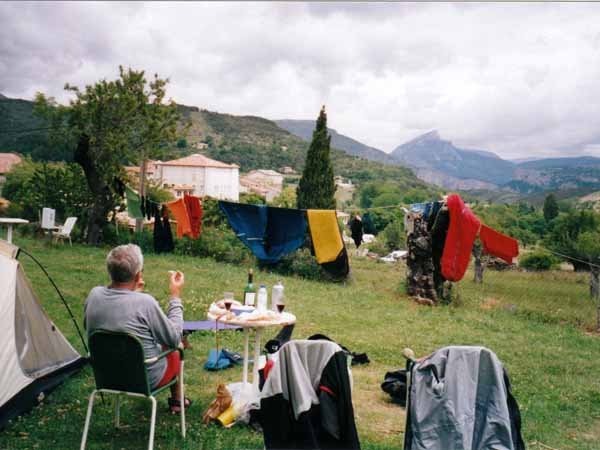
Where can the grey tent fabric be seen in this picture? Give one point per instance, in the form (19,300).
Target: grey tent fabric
(40,345)
(459,401)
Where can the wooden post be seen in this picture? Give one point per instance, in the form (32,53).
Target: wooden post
(595,291)
(139,223)
(479,265)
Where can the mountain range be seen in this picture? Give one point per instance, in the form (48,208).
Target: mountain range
(251,142)
(439,162)
(255,142)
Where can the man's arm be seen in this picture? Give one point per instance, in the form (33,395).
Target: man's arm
(168,330)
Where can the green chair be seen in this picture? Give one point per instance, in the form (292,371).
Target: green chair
(120,368)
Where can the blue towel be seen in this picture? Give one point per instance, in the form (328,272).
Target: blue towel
(217,361)
(270,233)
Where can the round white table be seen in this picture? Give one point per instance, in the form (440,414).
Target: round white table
(280,320)
(10,222)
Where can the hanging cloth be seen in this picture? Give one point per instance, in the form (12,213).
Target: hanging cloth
(163,238)
(356,228)
(193,206)
(462,231)
(325,234)
(498,244)
(133,204)
(180,213)
(270,233)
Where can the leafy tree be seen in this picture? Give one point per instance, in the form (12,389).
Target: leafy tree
(566,232)
(182,143)
(316,189)
(588,246)
(33,186)
(287,198)
(550,207)
(110,124)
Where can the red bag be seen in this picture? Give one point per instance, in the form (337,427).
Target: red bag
(498,244)
(463,229)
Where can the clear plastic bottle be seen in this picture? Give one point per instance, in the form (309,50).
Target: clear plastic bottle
(262,298)
(276,295)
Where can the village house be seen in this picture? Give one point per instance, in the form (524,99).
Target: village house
(265,177)
(207,177)
(134,171)
(267,183)
(287,170)
(7,161)
(267,191)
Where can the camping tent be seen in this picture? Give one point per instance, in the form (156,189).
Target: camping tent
(35,357)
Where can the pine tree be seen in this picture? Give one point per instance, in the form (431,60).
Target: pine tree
(316,189)
(550,207)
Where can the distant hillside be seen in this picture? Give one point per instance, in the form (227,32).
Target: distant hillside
(250,141)
(439,160)
(22,132)
(254,142)
(304,129)
(561,163)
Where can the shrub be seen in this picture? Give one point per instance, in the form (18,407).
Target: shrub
(378,247)
(393,235)
(538,261)
(300,263)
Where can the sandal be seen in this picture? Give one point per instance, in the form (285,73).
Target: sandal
(175,404)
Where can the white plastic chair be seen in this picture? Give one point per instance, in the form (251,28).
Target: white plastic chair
(64,231)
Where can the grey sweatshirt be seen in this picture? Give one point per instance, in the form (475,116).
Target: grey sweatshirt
(139,314)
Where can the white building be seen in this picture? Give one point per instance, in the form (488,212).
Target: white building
(207,177)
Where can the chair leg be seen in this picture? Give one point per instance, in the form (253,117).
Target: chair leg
(152,424)
(70,241)
(182,401)
(88,419)
(117,411)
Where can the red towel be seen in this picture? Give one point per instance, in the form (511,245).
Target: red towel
(463,229)
(179,210)
(194,210)
(498,244)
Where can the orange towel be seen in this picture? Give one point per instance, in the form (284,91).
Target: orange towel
(180,213)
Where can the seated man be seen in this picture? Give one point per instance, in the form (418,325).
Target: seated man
(123,307)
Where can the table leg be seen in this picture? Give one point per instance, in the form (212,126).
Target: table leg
(256,358)
(9,234)
(246,355)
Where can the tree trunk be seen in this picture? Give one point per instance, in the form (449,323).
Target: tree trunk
(103,197)
(479,264)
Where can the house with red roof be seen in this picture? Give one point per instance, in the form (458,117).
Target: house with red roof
(7,161)
(206,176)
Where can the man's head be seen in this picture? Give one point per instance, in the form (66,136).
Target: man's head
(125,264)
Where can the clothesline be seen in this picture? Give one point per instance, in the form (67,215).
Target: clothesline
(570,257)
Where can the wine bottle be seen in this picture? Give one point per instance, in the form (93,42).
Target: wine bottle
(250,291)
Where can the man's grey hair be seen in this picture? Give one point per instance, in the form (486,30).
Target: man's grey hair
(124,262)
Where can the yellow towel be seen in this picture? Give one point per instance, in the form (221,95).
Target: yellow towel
(325,234)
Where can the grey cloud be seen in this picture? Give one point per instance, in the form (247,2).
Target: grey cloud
(518,79)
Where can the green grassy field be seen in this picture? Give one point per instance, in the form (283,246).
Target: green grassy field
(537,324)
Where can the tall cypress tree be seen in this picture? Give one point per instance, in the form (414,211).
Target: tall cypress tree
(316,189)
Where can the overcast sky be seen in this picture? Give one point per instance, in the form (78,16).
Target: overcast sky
(519,79)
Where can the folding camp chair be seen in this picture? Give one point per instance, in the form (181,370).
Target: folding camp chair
(120,368)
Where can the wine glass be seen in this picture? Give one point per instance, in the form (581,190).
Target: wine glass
(280,304)
(228,300)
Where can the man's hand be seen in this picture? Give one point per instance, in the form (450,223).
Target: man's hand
(176,282)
